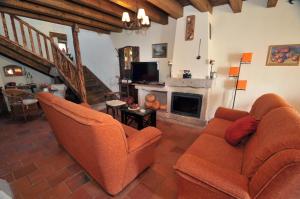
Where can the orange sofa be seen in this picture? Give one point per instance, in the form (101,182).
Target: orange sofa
(267,166)
(112,153)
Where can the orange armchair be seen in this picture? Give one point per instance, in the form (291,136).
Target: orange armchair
(111,153)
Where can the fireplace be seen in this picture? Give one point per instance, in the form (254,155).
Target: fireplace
(186,104)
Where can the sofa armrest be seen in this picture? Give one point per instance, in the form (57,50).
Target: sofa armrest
(230,114)
(195,169)
(142,139)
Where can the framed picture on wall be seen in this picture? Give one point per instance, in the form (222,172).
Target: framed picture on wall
(283,55)
(190,27)
(159,50)
(13,70)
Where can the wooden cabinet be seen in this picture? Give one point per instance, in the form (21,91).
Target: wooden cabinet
(127,55)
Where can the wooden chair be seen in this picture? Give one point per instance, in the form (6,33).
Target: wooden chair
(21,103)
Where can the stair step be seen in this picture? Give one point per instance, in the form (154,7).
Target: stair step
(95,100)
(90,81)
(96,92)
(90,77)
(95,88)
(94,84)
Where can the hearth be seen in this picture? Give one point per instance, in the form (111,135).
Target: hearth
(186,104)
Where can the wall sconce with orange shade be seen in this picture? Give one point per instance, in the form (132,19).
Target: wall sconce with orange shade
(241,85)
(235,71)
(246,58)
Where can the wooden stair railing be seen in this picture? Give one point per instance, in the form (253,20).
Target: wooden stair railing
(14,31)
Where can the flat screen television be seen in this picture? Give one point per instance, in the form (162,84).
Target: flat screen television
(144,72)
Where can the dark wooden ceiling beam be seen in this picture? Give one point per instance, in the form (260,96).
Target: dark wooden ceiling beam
(236,5)
(49,19)
(172,7)
(154,14)
(73,8)
(271,3)
(103,6)
(202,5)
(53,13)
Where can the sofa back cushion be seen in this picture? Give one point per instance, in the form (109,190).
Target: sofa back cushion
(94,139)
(277,131)
(266,103)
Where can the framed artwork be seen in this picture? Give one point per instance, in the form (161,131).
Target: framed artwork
(283,55)
(190,27)
(159,50)
(13,70)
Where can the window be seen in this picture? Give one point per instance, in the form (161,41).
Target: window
(61,40)
(63,47)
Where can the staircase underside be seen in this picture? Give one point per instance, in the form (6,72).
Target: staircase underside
(23,56)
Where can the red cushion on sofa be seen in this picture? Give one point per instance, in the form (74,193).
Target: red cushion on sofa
(240,129)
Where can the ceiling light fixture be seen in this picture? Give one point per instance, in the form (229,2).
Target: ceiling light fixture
(140,21)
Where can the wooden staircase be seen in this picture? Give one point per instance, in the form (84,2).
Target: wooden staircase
(95,88)
(22,42)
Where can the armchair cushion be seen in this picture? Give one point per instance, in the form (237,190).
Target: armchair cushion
(217,127)
(240,129)
(229,114)
(217,151)
(199,171)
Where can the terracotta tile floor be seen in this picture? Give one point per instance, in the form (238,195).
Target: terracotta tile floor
(36,167)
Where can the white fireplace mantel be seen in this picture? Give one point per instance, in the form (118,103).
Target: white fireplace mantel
(193,86)
(193,83)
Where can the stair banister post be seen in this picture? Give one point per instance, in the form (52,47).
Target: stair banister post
(53,51)
(4,25)
(80,75)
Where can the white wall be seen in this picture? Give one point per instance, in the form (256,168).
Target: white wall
(38,77)
(157,33)
(253,30)
(99,55)
(185,52)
